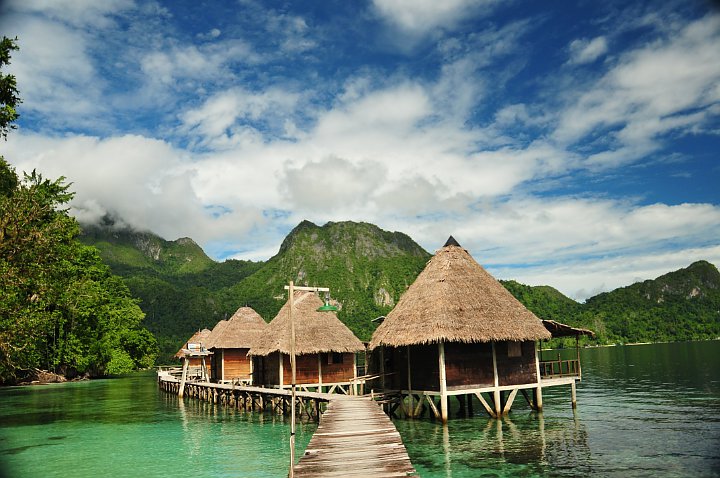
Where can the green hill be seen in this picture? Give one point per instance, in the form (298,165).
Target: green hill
(680,305)
(367,269)
(182,290)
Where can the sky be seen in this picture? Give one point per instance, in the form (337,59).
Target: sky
(571,144)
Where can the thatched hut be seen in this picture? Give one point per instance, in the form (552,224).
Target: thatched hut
(230,342)
(194,352)
(324,348)
(457,331)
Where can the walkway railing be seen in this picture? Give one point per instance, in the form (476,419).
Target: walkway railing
(560,368)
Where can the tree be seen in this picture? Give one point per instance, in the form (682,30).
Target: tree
(60,307)
(9,98)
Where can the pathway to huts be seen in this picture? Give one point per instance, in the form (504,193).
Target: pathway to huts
(354,437)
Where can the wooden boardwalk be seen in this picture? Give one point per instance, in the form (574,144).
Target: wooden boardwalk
(355,438)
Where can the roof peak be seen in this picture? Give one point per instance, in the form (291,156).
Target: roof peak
(451,242)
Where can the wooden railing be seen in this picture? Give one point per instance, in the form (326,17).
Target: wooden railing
(560,368)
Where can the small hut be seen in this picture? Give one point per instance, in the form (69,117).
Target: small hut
(230,345)
(458,332)
(324,347)
(195,351)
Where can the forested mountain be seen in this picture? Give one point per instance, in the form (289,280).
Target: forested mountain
(182,290)
(367,269)
(680,305)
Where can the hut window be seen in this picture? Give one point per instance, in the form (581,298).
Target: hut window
(514,349)
(331,358)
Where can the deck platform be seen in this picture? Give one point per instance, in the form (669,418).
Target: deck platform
(355,438)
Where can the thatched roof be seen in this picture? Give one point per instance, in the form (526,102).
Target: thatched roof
(199,337)
(562,330)
(315,332)
(241,331)
(454,299)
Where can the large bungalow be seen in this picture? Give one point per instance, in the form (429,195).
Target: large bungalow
(458,332)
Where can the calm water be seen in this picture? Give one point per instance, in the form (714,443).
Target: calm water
(647,410)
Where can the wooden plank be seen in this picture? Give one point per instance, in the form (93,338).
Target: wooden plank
(355,438)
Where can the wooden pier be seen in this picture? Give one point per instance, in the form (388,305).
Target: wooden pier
(355,438)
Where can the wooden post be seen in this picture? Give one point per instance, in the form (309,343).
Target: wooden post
(181,390)
(355,384)
(572,394)
(538,390)
(291,293)
(319,372)
(409,384)
(443,383)
(496,392)
(577,350)
(281,371)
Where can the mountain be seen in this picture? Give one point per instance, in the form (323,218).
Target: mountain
(182,290)
(367,269)
(679,305)
(177,283)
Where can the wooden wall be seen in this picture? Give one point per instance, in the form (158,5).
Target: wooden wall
(468,365)
(337,372)
(236,364)
(516,370)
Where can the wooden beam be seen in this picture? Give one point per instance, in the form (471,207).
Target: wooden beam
(485,404)
(509,402)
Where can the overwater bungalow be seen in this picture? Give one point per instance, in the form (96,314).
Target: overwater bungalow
(195,351)
(324,347)
(230,342)
(458,332)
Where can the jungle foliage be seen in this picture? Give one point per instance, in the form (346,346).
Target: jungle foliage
(61,309)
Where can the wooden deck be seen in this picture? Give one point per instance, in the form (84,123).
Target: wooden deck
(355,438)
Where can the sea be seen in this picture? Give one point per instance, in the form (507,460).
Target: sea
(642,410)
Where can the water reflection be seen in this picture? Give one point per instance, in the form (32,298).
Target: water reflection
(642,410)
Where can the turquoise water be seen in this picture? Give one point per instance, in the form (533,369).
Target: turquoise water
(128,428)
(646,410)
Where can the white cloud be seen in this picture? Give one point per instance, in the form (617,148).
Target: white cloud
(587,51)
(78,13)
(54,70)
(667,86)
(420,16)
(238,118)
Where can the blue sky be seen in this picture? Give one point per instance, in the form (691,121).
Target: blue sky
(573,144)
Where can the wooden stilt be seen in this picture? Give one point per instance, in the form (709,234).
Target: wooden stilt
(538,398)
(496,392)
(181,390)
(443,382)
(409,384)
(485,404)
(509,402)
(572,392)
